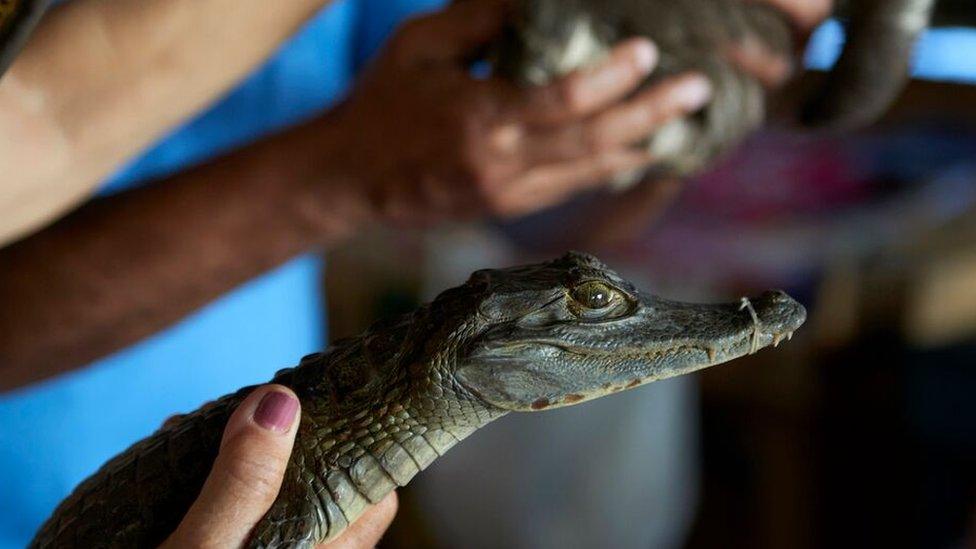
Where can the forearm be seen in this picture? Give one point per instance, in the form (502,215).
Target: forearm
(103,79)
(123,267)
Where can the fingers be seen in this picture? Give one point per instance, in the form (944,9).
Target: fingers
(247,473)
(589,90)
(622,125)
(453,33)
(366,532)
(553,162)
(549,185)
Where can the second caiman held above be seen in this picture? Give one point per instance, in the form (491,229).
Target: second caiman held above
(379,408)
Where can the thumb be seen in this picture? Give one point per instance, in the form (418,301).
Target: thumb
(247,473)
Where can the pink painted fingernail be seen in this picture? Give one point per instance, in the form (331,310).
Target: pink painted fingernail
(276,411)
(694,93)
(645,55)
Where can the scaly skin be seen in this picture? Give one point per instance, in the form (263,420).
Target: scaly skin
(379,408)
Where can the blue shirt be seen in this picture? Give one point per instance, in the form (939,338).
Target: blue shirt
(56,433)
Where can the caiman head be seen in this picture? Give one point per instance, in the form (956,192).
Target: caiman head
(571,330)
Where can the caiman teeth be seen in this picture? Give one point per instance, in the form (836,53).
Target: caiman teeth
(777,338)
(711,353)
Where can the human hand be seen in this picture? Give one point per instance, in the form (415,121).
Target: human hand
(761,43)
(247,475)
(425,141)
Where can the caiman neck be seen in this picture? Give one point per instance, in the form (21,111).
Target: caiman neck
(379,420)
(419,422)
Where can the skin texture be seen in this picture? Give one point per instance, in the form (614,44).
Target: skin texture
(379,408)
(101,80)
(413,144)
(245,481)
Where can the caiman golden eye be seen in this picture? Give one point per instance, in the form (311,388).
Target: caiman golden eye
(593,295)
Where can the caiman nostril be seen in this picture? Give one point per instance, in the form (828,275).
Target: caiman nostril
(776,297)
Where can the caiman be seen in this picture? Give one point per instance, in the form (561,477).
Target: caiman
(379,408)
(550,38)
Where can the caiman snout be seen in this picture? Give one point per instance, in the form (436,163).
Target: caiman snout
(776,316)
(585,332)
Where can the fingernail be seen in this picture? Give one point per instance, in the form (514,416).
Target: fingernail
(694,93)
(276,411)
(645,55)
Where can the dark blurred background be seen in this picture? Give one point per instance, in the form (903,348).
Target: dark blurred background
(859,432)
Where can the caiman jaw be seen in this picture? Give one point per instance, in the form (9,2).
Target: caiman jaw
(777,317)
(566,362)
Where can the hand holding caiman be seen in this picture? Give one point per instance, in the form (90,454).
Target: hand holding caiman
(379,408)
(551,38)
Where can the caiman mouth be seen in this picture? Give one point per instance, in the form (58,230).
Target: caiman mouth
(719,332)
(570,362)
(554,355)
(774,316)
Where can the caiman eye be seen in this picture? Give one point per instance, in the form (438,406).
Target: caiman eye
(594,295)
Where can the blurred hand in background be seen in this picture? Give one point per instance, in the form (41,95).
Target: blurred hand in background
(425,140)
